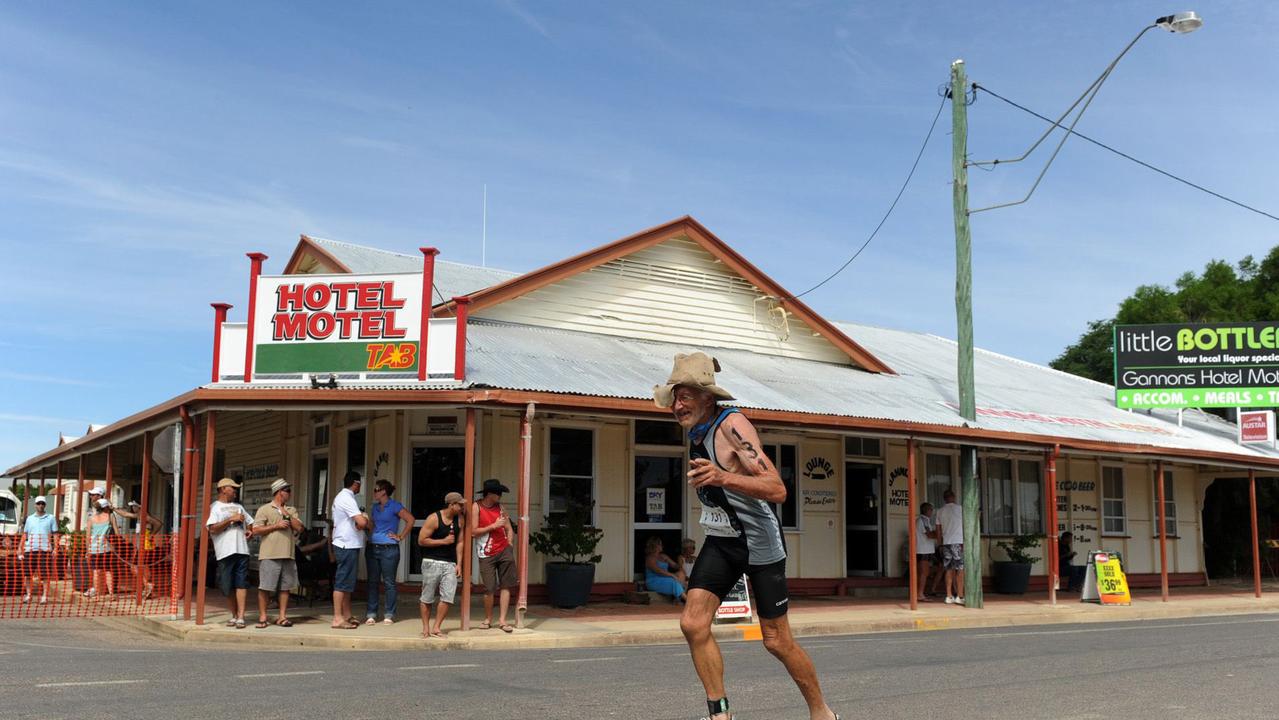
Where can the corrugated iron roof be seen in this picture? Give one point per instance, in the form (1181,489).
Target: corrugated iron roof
(451,279)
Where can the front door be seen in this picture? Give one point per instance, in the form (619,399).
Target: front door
(658,503)
(436,471)
(863,484)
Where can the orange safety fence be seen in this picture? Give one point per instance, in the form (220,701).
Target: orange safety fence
(75,576)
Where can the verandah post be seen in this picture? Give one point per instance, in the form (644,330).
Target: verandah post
(468,491)
(1163,531)
(1256,540)
(910,533)
(210,434)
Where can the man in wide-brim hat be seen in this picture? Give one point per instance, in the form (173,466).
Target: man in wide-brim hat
(736,484)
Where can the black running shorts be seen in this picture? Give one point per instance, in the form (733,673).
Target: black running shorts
(723,560)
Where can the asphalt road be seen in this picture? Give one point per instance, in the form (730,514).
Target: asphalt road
(1218,668)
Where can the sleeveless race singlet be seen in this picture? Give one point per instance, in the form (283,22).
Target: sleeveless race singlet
(730,515)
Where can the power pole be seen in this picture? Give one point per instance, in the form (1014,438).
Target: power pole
(964,318)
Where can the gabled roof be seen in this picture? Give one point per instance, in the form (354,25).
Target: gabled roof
(451,279)
(681,227)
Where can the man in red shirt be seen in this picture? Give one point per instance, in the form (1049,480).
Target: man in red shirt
(493,533)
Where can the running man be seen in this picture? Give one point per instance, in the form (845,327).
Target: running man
(735,482)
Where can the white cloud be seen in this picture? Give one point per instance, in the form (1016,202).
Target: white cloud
(50,379)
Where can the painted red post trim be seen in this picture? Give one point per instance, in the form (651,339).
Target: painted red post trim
(1163,532)
(219,317)
(185,527)
(428,297)
(79,516)
(255,269)
(1052,561)
(26,505)
(57,498)
(109,475)
(525,469)
(1256,540)
(143,570)
(459,358)
(468,491)
(910,533)
(210,432)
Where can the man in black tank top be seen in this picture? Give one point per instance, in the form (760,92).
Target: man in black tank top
(440,540)
(735,483)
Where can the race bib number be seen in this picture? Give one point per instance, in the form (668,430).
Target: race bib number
(715,522)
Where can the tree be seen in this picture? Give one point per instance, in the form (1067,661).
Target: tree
(1248,291)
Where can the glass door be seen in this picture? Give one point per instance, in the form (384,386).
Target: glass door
(863,484)
(436,471)
(658,502)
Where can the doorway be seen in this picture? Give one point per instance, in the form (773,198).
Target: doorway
(435,470)
(658,503)
(863,508)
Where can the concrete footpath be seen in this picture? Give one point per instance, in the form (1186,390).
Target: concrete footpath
(612,624)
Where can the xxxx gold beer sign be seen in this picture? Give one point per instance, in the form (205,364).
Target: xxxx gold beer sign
(338,323)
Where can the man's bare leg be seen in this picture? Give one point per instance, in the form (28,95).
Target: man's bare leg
(441,609)
(425,611)
(779,641)
(504,602)
(699,612)
(284,605)
(924,568)
(264,600)
(338,617)
(488,608)
(959,583)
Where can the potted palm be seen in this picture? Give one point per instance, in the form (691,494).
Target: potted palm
(568,540)
(1012,576)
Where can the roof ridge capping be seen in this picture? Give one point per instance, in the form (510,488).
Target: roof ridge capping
(384,251)
(1025,363)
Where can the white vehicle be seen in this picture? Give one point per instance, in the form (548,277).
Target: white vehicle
(10,508)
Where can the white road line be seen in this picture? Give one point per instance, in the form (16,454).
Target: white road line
(50,646)
(576,660)
(1080,631)
(89,682)
(282,674)
(438,667)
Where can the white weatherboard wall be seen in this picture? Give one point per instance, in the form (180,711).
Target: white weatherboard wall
(671,292)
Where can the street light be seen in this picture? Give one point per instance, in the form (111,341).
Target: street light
(1184,22)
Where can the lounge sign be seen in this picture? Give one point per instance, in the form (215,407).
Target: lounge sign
(1197,365)
(337,323)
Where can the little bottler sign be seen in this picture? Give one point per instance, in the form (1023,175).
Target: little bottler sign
(1197,365)
(338,323)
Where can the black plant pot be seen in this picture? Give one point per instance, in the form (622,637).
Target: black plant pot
(569,584)
(1011,578)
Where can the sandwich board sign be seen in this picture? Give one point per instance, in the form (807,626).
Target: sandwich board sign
(1105,582)
(737,603)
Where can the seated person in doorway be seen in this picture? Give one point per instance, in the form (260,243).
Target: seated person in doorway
(661,574)
(688,556)
(1074,574)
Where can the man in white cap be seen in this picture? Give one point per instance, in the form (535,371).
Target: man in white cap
(230,529)
(735,483)
(37,550)
(275,523)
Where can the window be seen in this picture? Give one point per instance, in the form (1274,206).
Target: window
(320,436)
(940,478)
(9,510)
(319,489)
(658,432)
(861,447)
(1170,506)
(1114,518)
(997,497)
(1030,497)
(356,444)
(785,458)
(572,471)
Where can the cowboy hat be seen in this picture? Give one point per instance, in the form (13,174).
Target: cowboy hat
(696,370)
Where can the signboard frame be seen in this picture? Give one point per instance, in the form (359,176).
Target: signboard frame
(1196,365)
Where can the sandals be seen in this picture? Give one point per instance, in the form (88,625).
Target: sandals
(348,625)
(261,624)
(438,635)
(486,625)
(507,628)
(240,624)
(284,622)
(230,623)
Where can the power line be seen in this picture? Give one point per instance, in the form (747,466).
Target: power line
(1125,155)
(884,219)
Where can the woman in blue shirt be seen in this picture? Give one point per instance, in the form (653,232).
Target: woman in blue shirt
(382,555)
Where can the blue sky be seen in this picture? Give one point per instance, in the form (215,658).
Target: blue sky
(147,146)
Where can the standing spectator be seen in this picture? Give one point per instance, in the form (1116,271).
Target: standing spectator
(142,549)
(36,551)
(95,494)
(493,533)
(276,522)
(925,546)
(382,557)
(441,562)
(950,527)
(230,529)
(1075,574)
(349,522)
(101,525)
